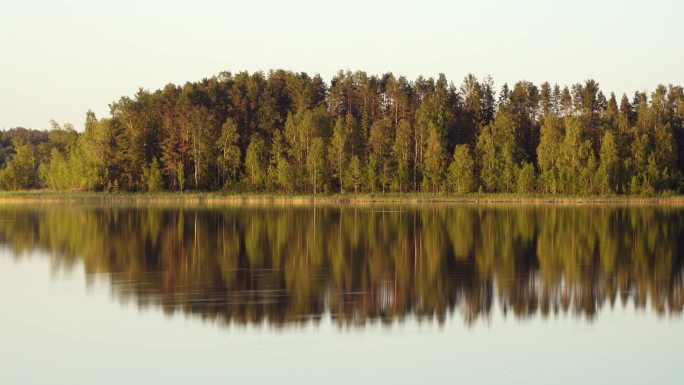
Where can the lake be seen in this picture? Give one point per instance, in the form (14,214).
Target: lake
(341,294)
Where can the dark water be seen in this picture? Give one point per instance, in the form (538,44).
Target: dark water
(387,294)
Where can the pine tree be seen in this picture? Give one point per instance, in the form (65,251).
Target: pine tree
(545,99)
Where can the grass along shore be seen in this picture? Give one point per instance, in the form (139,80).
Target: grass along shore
(219,198)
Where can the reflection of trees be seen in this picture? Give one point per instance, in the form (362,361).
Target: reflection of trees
(284,264)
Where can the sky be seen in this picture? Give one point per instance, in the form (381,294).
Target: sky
(60,58)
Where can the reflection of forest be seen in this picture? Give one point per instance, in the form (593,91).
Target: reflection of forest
(287,264)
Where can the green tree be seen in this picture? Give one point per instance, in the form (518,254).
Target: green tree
(548,153)
(180,177)
(507,149)
(21,171)
(284,174)
(379,144)
(498,154)
(203,141)
(254,161)
(371,174)
(402,151)
(279,172)
(300,130)
(153,177)
(609,168)
(337,155)
(526,179)
(574,160)
(355,174)
(488,162)
(461,178)
(315,164)
(434,160)
(229,152)
(54,172)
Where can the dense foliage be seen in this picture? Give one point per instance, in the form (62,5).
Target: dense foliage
(289,132)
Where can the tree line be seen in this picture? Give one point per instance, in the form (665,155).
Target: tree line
(288,132)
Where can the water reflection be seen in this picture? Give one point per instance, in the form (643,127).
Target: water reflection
(288,265)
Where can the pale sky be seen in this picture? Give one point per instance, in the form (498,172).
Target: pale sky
(60,58)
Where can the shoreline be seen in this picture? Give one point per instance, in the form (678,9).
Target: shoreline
(217,198)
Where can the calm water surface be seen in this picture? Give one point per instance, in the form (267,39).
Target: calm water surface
(341,294)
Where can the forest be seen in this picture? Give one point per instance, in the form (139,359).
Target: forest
(288,132)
